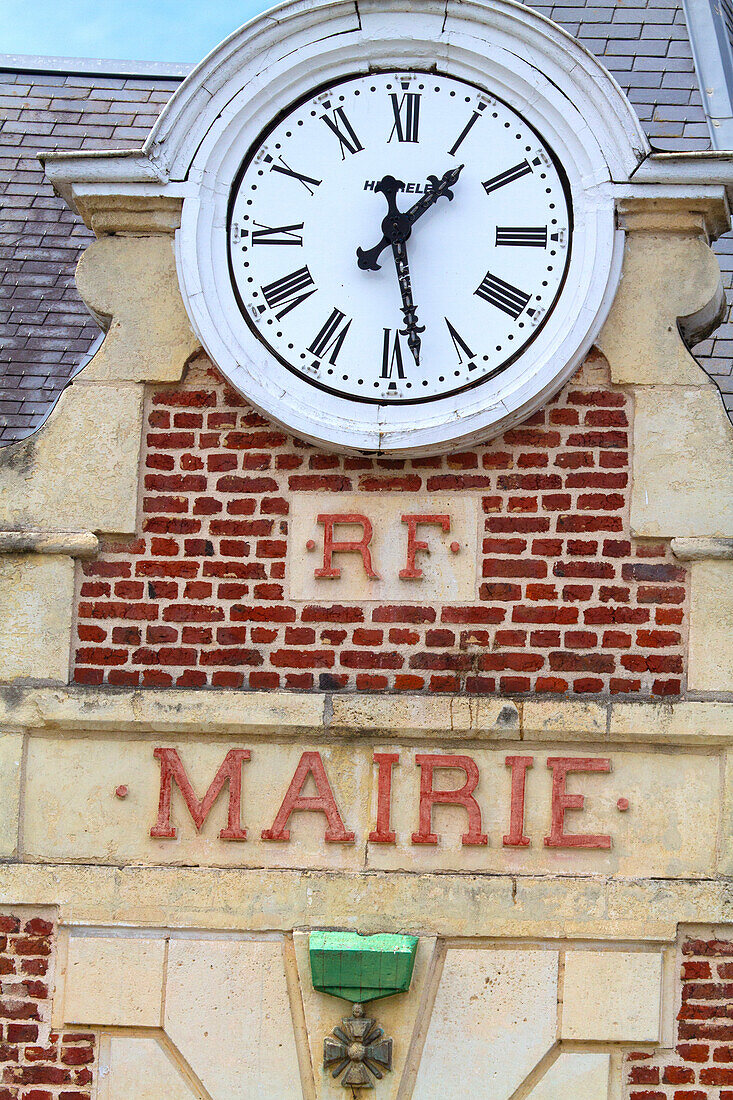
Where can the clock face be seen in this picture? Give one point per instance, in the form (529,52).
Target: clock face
(356,268)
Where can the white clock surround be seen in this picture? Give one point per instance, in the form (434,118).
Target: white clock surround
(223,108)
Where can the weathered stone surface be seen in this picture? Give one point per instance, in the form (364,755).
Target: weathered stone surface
(665,276)
(683,463)
(574,1077)
(133,1066)
(556,720)
(711,626)
(11,753)
(494,1018)
(227,1012)
(114,981)
(450,715)
(397,1016)
(133,281)
(683,723)
(91,439)
(448,904)
(36,596)
(612,996)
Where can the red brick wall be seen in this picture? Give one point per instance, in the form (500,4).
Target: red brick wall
(567,601)
(36,1062)
(701,1065)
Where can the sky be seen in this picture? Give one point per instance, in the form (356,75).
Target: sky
(130,30)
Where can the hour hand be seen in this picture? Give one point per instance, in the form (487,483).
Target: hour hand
(396,226)
(367,258)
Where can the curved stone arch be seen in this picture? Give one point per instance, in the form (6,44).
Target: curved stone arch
(443,31)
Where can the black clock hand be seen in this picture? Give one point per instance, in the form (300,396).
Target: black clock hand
(367,258)
(439,188)
(409,311)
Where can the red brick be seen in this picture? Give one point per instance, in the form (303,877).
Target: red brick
(405,613)
(514,567)
(336,613)
(298,658)
(472,615)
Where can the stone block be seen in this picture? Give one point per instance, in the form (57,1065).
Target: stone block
(11,753)
(683,463)
(450,716)
(133,1066)
(114,981)
(133,281)
(80,469)
(711,626)
(665,276)
(494,1019)
(72,811)
(560,720)
(36,596)
(676,723)
(227,1011)
(574,1077)
(612,996)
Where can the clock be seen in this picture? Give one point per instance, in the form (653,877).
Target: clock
(398,230)
(399,237)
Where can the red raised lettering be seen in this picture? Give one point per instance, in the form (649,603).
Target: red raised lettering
(383,833)
(358,546)
(411,571)
(562,802)
(515,837)
(461,797)
(172,770)
(324,802)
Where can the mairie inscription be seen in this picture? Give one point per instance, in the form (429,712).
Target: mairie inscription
(370,804)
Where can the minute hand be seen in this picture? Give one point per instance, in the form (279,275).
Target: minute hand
(439,188)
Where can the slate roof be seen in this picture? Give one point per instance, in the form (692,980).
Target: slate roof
(46,333)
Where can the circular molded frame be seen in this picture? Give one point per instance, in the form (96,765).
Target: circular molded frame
(265,86)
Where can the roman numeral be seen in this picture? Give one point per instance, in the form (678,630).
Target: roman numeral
(460,345)
(308,182)
(289,291)
(502,295)
(406,116)
(509,176)
(344,131)
(532,236)
(392,358)
(331,337)
(279,234)
(464,133)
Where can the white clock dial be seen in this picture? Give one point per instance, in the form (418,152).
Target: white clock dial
(462,286)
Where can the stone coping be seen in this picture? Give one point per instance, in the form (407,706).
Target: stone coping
(418,717)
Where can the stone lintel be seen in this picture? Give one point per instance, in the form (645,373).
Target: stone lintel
(702,549)
(34,540)
(454,904)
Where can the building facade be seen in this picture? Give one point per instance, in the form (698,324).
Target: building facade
(379,747)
